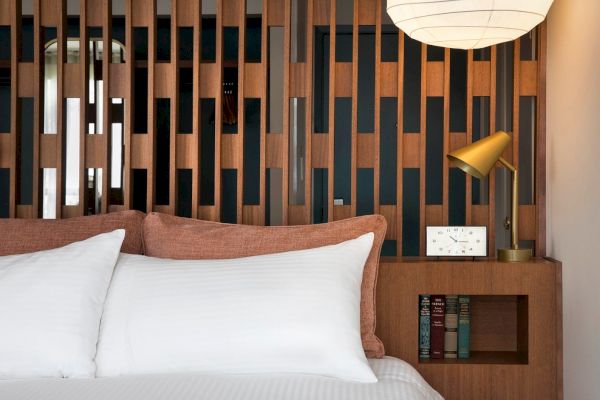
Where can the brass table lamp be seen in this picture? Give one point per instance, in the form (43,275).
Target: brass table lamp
(477,159)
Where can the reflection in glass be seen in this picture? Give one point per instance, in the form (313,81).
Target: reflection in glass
(49,193)
(50,88)
(72,152)
(95,88)
(298,45)
(94,190)
(275,119)
(297,150)
(117,146)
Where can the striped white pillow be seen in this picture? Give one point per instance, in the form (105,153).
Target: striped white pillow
(294,312)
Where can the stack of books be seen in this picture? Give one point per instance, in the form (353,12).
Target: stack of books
(444,326)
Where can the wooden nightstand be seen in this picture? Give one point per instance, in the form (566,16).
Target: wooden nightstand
(516,325)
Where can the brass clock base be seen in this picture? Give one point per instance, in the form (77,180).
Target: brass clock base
(514,255)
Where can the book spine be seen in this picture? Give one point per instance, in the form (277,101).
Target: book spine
(438,305)
(451,327)
(464,326)
(424,326)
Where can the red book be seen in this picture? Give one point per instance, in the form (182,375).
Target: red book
(438,310)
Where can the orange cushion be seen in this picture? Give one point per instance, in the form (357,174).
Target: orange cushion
(29,235)
(167,236)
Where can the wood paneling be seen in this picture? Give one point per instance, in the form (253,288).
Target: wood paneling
(299,75)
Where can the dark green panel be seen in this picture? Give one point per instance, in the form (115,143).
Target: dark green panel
(186,43)
(389,248)
(527,124)
(458,90)
(364,191)
(26,156)
(163,38)
(366,79)
(504,86)
(410,212)
(140,188)
(163,153)
(320,194)
(5,104)
(389,43)
(207,152)
(209,39)
(5,38)
(253,39)
(186,100)
(435,53)
(140,39)
(481,129)
(343,43)
(140,103)
(321,80)
(184,192)
(230,43)
(456,197)
(4,192)
(229,196)
(388,146)
(342,151)
(434,153)
(251,152)
(412,86)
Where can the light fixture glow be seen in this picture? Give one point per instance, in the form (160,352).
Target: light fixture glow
(467,24)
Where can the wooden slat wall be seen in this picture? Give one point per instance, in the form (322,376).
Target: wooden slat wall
(253,80)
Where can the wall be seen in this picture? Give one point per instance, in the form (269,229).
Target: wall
(574,183)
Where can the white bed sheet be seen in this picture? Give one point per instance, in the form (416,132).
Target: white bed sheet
(397,381)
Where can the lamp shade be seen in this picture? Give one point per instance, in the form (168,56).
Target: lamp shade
(467,24)
(478,158)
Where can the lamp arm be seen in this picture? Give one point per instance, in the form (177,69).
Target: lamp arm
(514,226)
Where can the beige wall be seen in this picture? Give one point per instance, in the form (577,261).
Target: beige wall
(574,184)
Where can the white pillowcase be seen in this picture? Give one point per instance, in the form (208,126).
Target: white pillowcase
(50,307)
(294,312)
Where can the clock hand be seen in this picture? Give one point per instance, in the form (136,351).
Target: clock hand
(455,241)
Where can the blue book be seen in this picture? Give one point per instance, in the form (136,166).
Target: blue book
(464,326)
(424,326)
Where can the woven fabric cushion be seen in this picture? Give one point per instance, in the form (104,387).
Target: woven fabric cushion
(28,235)
(167,236)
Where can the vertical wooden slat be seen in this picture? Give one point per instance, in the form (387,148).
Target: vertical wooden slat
(331,117)
(540,150)
(106,103)
(492,175)
(61,35)
(196,111)
(308,112)
(422,149)
(241,110)
(446,145)
(174,121)
(84,67)
(400,145)
(469,179)
(15,30)
(129,102)
(216,215)
(150,6)
(377,108)
(286,112)
(354,123)
(264,53)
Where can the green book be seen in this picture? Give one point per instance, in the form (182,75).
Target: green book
(464,326)
(424,329)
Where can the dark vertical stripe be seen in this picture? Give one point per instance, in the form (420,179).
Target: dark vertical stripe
(26,152)
(481,129)
(186,43)
(163,154)
(434,150)
(389,44)
(140,111)
(343,43)
(410,212)
(527,123)
(456,197)
(184,192)
(186,100)
(412,86)
(229,195)
(140,188)
(253,39)
(207,151)
(320,194)
(504,86)
(230,43)
(342,149)
(5,104)
(389,248)
(252,151)
(388,146)
(435,53)
(458,90)
(4,192)
(209,39)
(366,79)
(364,191)
(321,80)
(5,38)
(163,38)
(140,40)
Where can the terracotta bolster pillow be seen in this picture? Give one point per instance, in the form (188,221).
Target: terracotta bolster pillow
(20,236)
(167,236)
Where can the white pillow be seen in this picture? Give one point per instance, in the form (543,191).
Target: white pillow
(294,312)
(50,307)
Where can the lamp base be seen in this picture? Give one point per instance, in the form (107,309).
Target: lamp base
(514,255)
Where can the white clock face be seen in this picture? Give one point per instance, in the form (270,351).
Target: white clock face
(461,241)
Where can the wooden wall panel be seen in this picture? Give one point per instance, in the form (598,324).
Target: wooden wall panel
(253,79)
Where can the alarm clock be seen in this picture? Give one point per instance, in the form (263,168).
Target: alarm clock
(457,241)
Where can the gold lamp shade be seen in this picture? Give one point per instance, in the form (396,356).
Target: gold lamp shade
(478,158)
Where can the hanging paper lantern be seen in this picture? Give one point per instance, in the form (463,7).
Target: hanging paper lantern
(467,24)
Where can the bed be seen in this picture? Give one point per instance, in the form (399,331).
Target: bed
(396,380)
